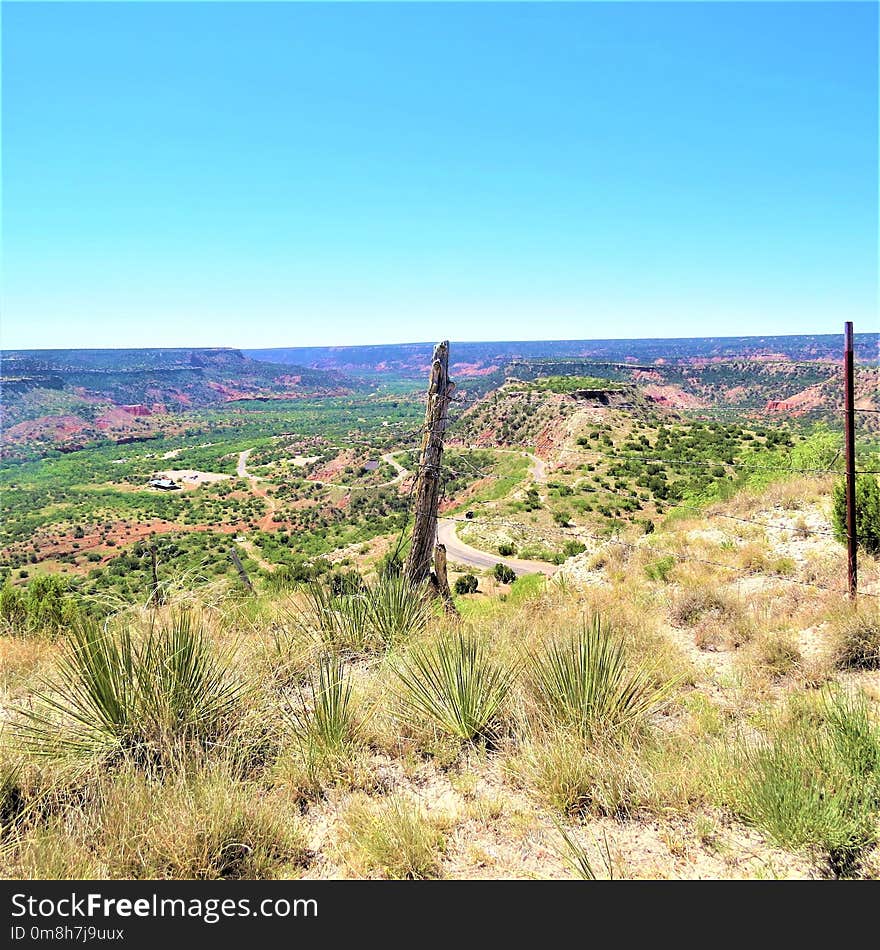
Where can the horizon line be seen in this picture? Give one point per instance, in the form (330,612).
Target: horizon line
(327,346)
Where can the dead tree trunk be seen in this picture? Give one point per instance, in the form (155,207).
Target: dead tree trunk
(441,580)
(427,488)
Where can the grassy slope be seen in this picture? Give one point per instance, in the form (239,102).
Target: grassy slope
(743,652)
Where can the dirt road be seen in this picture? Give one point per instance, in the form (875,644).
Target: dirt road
(241,468)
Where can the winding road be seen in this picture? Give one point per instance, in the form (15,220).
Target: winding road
(241,468)
(457,550)
(401,471)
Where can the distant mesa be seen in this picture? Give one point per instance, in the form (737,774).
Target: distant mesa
(216,357)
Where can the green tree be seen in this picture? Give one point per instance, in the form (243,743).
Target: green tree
(867,513)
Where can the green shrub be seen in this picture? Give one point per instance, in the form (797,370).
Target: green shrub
(867,513)
(43,607)
(660,569)
(504,574)
(572,549)
(814,781)
(506,549)
(466,584)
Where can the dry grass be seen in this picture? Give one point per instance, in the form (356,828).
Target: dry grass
(306,779)
(205,826)
(856,638)
(391,839)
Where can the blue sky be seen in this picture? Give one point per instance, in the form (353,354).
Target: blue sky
(295,174)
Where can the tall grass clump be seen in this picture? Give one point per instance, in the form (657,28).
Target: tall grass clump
(813,782)
(693,603)
(573,778)
(374,617)
(585,683)
(148,698)
(453,683)
(391,840)
(856,639)
(194,824)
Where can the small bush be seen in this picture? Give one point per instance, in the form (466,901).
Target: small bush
(695,602)
(391,840)
(777,654)
(856,639)
(506,549)
(572,549)
(43,607)
(660,569)
(453,683)
(466,584)
(504,574)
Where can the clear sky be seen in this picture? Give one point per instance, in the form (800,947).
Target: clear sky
(296,174)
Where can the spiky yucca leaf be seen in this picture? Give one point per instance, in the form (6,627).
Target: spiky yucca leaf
(146,697)
(325,714)
(398,609)
(376,617)
(585,682)
(453,683)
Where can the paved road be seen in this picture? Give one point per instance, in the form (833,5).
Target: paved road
(463,553)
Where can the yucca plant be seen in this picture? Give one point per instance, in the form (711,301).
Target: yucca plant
(147,698)
(338,621)
(454,684)
(324,714)
(376,617)
(397,609)
(585,683)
